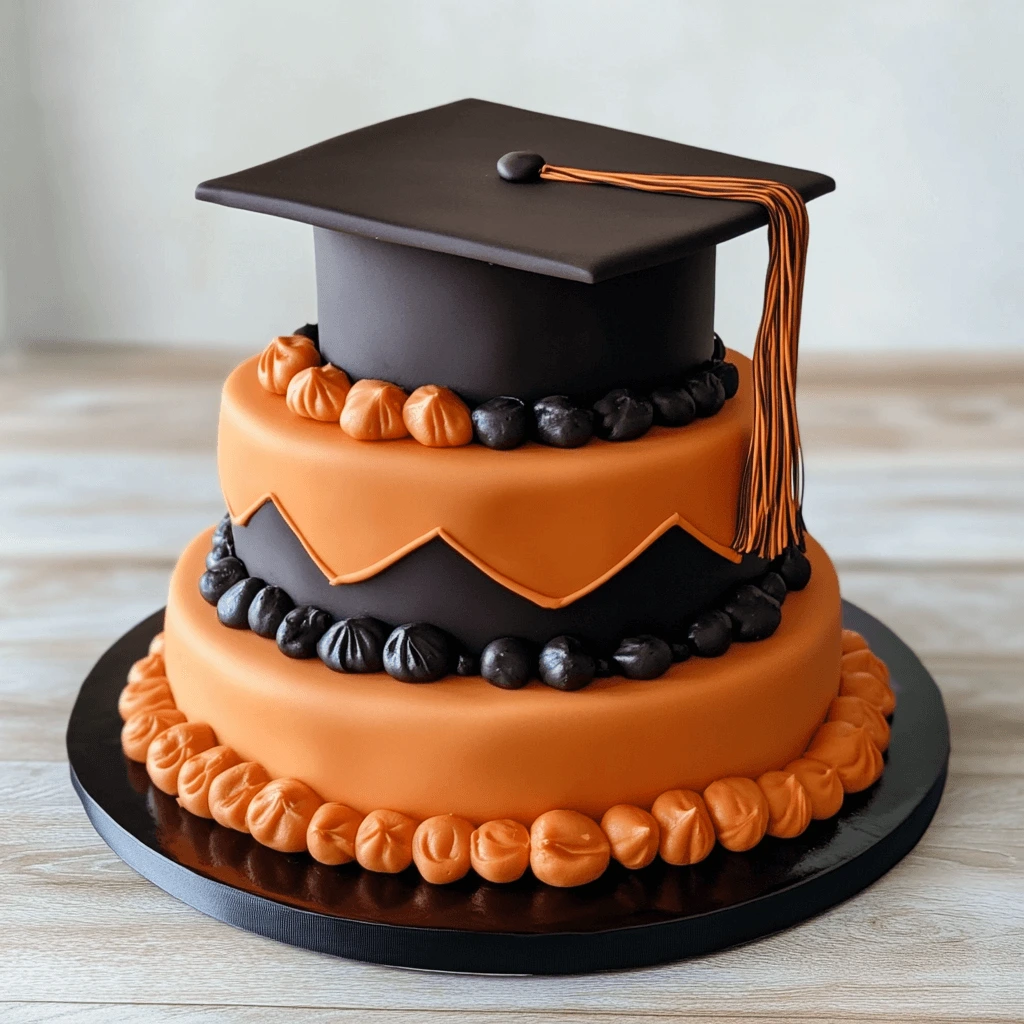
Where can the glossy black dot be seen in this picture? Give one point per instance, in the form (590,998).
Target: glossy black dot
(417,653)
(710,634)
(221,577)
(267,610)
(566,664)
(467,665)
(673,407)
(707,392)
(755,615)
(508,662)
(773,585)
(354,645)
(643,657)
(311,331)
(680,652)
(233,606)
(794,567)
(223,533)
(622,415)
(520,166)
(718,351)
(502,423)
(301,629)
(729,375)
(561,423)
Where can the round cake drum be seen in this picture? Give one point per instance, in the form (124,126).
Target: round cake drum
(624,919)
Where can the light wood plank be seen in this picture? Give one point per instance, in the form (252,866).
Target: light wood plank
(949,917)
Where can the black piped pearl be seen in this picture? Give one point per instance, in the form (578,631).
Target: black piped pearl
(508,662)
(755,615)
(268,609)
(520,166)
(793,566)
(354,645)
(300,631)
(718,351)
(707,392)
(502,423)
(643,657)
(673,407)
(223,534)
(561,423)
(311,331)
(565,664)
(220,578)
(417,653)
(233,606)
(623,415)
(680,652)
(773,585)
(729,375)
(467,665)
(710,635)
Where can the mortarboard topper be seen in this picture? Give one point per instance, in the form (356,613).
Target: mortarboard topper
(434,268)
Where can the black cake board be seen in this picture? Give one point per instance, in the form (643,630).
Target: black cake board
(624,919)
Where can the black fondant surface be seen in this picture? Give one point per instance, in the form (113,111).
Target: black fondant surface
(625,919)
(416,317)
(656,593)
(429,180)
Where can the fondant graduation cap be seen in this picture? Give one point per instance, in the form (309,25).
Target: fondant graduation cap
(434,268)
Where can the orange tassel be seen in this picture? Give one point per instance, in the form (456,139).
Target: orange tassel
(768,518)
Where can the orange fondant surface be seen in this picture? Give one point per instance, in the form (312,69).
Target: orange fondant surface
(548,524)
(464,747)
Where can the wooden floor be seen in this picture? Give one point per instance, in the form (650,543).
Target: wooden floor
(916,486)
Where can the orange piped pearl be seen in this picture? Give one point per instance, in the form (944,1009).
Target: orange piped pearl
(373,411)
(147,667)
(865,660)
(870,688)
(499,851)
(331,836)
(197,775)
(150,694)
(633,835)
(789,806)
(140,730)
(822,785)
(848,748)
(282,359)
(437,417)
(172,748)
(232,792)
(318,393)
(739,811)
(568,848)
(858,711)
(853,641)
(280,813)
(441,848)
(384,841)
(156,645)
(687,832)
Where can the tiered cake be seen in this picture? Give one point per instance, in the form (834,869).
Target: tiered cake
(514,464)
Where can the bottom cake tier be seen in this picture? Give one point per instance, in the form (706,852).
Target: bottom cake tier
(460,773)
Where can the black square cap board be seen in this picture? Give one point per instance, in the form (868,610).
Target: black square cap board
(432,269)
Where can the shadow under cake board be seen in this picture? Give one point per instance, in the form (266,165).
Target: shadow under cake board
(624,919)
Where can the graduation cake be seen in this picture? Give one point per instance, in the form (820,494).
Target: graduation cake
(514,575)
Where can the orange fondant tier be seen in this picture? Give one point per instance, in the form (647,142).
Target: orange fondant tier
(461,746)
(547,524)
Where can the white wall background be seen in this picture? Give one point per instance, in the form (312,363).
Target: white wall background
(113,110)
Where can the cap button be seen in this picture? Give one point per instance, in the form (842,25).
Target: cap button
(520,166)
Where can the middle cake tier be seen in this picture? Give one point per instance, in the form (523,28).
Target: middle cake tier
(601,541)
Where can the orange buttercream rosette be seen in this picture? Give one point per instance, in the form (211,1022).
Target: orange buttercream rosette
(822,785)
(437,417)
(858,711)
(150,694)
(172,748)
(499,850)
(848,749)
(197,775)
(441,848)
(373,411)
(280,813)
(633,835)
(739,811)
(233,790)
(282,359)
(384,841)
(687,832)
(568,848)
(331,836)
(156,645)
(789,806)
(318,393)
(146,668)
(870,688)
(141,729)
